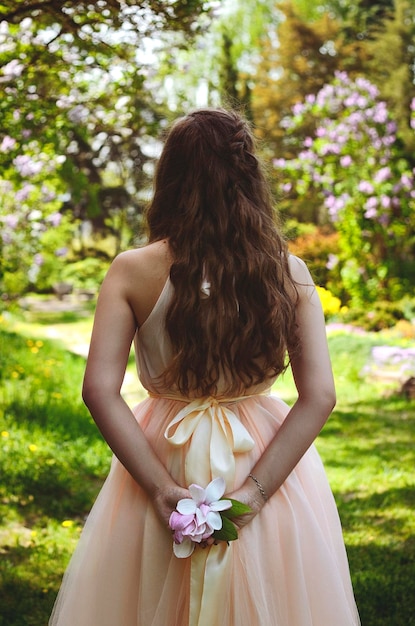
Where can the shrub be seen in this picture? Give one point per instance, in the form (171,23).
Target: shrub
(86,274)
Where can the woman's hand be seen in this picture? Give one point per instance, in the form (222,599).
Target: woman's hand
(165,501)
(247,494)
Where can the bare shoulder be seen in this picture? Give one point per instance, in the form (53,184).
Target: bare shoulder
(139,276)
(143,259)
(301,275)
(299,271)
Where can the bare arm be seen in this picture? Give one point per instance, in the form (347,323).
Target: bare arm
(313,377)
(112,335)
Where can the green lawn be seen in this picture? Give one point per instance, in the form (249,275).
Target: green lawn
(53,461)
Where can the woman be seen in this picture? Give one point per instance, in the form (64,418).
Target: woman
(213,304)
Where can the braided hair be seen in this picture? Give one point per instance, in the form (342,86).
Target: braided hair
(212,202)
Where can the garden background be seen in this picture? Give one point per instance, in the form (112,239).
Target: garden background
(87,90)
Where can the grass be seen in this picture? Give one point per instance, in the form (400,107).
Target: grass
(53,461)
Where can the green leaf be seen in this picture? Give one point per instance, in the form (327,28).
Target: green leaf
(237,508)
(228,531)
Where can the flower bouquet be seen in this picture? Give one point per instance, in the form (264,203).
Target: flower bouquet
(204,515)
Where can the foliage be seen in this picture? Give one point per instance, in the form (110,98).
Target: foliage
(350,166)
(318,246)
(392,66)
(86,274)
(219,68)
(383,314)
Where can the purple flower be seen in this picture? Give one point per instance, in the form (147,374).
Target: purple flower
(365,187)
(406,181)
(385,201)
(371,213)
(26,166)
(22,194)
(298,108)
(279,162)
(336,204)
(383,174)
(332,261)
(7,144)
(380,115)
(346,160)
(11,221)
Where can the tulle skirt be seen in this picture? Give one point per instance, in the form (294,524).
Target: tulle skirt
(287,568)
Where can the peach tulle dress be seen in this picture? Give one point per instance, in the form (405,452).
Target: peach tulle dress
(288,566)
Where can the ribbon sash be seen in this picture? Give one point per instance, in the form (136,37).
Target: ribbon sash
(215,434)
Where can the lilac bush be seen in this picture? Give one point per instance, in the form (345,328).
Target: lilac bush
(352,164)
(31,224)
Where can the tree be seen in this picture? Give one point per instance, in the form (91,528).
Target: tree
(220,67)
(297,60)
(78,114)
(392,67)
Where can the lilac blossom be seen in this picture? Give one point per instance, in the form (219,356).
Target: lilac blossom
(346,160)
(11,220)
(332,261)
(13,69)
(349,164)
(55,219)
(365,187)
(23,193)
(26,166)
(7,144)
(383,174)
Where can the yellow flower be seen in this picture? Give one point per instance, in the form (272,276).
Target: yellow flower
(15,374)
(4,434)
(68,523)
(33,447)
(34,349)
(56,395)
(39,343)
(331,305)
(29,342)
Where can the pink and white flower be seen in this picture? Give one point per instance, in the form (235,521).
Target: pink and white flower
(196,519)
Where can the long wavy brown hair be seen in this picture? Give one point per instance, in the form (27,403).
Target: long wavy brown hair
(213,204)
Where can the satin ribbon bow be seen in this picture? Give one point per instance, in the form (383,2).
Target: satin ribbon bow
(215,434)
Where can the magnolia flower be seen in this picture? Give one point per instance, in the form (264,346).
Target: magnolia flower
(196,518)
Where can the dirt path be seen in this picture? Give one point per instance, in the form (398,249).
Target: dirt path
(74,335)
